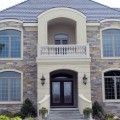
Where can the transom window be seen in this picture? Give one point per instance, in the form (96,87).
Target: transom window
(10,43)
(112,85)
(61,39)
(10,86)
(111,43)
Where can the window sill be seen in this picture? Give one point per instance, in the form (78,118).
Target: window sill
(111,100)
(110,58)
(11,102)
(11,59)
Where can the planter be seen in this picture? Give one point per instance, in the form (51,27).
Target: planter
(87,112)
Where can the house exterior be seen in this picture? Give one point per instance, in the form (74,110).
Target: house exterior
(72,47)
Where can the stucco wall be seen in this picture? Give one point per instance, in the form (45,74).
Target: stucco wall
(61,29)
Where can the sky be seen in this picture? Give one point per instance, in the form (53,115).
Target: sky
(8,3)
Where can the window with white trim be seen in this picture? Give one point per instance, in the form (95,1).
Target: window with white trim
(10,43)
(112,85)
(111,42)
(61,39)
(10,86)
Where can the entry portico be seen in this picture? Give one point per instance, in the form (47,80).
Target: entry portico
(63,59)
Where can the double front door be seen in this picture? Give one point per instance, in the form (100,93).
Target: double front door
(61,93)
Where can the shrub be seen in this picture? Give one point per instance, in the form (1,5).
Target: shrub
(43,111)
(19,114)
(16,118)
(87,112)
(31,118)
(97,109)
(109,116)
(6,113)
(3,117)
(28,109)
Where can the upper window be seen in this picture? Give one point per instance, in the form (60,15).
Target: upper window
(10,86)
(112,85)
(61,39)
(10,44)
(111,43)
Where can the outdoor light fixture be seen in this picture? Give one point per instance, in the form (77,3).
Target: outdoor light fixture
(42,80)
(85,79)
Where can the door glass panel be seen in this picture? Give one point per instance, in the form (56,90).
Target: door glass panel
(67,92)
(56,92)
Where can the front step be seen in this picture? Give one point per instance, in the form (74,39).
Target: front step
(65,114)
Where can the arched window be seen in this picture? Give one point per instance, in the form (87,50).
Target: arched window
(111,43)
(61,39)
(10,86)
(10,43)
(112,84)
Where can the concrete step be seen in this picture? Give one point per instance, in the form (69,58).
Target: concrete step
(65,114)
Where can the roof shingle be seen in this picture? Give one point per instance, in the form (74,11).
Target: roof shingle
(30,9)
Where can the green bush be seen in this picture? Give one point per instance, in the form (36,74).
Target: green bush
(43,111)
(97,109)
(87,112)
(16,118)
(3,117)
(19,114)
(109,116)
(28,109)
(7,113)
(31,118)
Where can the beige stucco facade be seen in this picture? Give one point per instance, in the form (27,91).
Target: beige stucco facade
(76,16)
(46,66)
(53,22)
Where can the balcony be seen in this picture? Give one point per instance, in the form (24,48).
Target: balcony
(78,51)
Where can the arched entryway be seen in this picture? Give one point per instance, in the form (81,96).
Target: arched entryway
(63,88)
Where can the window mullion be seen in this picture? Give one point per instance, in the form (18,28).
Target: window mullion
(9,89)
(9,46)
(115,88)
(113,45)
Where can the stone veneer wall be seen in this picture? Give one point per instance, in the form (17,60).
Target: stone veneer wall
(98,65)
(28,65)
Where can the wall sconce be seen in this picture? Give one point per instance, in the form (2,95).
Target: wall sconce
(85,79)
(42,80)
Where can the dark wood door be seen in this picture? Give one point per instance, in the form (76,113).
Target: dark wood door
(61,93)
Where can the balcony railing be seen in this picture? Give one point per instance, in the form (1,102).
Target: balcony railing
(63,51)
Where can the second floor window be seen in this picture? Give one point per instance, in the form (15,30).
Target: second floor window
(111,43)
(61,39)
(10,43)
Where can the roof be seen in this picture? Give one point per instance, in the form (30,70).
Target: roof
(29,10)
(118,9)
